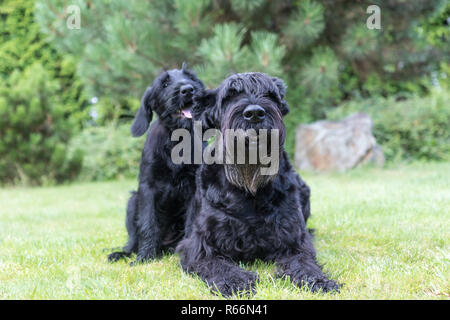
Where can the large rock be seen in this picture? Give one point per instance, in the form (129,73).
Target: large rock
(337,145)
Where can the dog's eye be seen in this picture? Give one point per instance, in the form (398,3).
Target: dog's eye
(231,93)
(165,82)
(271,96)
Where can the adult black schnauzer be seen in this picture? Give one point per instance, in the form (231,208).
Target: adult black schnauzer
(242,215)
(155,218)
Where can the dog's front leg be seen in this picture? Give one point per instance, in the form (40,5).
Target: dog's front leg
(130,222)
(147,225)
(303,270)
(223,276)
(219,272)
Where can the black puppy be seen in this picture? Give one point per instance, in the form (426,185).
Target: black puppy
(241,215)
(156,212)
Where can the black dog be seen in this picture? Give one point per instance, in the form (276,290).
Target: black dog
(240,215)
(155,218)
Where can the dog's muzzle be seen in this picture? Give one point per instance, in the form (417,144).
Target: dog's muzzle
(186,95)
(254,113)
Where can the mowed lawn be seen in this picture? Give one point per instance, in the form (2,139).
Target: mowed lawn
(383,233)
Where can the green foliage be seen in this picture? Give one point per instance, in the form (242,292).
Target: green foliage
(34,130)
(267,53)
(437,30)
(188,17)
(224,52)
(416,128)
(41,101)
(22,44)
(321,48)
(320,72)
(225,55)
(109,152)
(306,25)
(245,7)
(123,44)
(359,42)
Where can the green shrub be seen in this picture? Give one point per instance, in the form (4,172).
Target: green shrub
(42,102)
(416,128)
(322,49)
(33,130)
(108,152)
(22,44)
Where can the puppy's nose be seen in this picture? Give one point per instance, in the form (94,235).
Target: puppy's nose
(254,113)
(186,89)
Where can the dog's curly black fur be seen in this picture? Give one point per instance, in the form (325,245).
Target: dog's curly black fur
(229,223)
(155,217)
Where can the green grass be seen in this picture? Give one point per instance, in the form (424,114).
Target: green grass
(383,233)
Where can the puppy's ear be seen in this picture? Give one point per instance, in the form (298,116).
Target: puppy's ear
(144,114)
(205,108)
(281,91)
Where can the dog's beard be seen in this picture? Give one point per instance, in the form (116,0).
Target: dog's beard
(246,173)
(252,175)
(247,176)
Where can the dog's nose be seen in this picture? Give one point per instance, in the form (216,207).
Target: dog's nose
(186,89)
(254,113)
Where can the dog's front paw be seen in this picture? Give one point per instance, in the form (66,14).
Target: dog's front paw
(116,256)
(140,259)
(111,249)
(326,285)
(237,283)
(319,284)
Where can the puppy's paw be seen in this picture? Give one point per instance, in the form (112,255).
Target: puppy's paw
(111,249)
(237,283)
(142,259)
(135,263)
(116,256)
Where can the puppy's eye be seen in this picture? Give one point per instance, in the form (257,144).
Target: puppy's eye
(165,83)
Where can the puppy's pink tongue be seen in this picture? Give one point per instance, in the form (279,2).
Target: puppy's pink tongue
(187,113)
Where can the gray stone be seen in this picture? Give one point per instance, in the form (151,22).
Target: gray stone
(337,145)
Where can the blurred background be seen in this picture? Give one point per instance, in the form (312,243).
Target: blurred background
(72,73)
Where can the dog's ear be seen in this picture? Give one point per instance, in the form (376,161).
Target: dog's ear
(280,85)
(281,91)
(144,114)
(205,108)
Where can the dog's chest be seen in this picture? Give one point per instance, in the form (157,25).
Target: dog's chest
(165,172)
(246,229)
(258,239)
(173,184)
